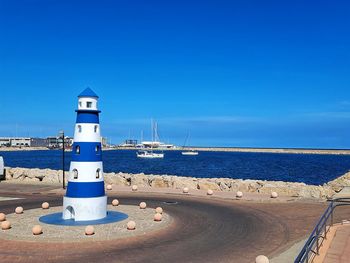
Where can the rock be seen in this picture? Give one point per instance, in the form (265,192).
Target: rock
(2,217)
(19,210)
(210,192)
(115,202)
(89,230)
(239,194)
(5,225)
(160,182)
(158,217)
(143,205)
(261,259)
(274,195)
(205,185)
(159,210)
(45,205)
(131,225)
(37,230)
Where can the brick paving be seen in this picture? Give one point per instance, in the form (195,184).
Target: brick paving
(339,250)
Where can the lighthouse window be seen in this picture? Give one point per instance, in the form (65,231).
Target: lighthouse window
(79,103)
(75,173)
(88,104)
(77,149)
(98,173)
(97,149)
(79,128)
(95,128)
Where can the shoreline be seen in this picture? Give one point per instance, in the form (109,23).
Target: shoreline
(209,149)
(251,150)
(151,181)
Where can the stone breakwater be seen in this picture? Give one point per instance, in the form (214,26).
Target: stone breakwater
(301,190)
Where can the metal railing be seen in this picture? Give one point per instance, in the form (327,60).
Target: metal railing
(319,234)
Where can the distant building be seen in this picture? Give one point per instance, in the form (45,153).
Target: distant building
(38,142)
(50,142)
(129,143)
(15,141)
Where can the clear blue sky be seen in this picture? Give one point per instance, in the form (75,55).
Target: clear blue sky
(233,73)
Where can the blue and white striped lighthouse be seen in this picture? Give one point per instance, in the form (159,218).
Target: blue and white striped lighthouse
(85,198)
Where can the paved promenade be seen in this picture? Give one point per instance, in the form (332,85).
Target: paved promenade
(205,228)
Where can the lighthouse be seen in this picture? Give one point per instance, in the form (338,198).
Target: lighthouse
(85,197)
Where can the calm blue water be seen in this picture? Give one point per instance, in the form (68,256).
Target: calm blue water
(311,169)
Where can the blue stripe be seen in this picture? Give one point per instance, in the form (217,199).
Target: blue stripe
(85,189)
(86,152)
(87,117)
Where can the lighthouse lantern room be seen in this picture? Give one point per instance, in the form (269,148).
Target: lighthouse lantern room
(85,197)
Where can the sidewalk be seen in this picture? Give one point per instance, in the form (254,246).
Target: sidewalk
(339,250)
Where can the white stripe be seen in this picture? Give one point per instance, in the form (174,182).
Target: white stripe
(86,171)
(85,132)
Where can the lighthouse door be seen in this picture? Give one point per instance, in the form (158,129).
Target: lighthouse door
(70,214)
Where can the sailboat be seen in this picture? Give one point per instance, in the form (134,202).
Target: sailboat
(188,152)
(149,153)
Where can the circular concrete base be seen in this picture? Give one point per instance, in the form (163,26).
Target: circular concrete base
(22,225)
(57,219)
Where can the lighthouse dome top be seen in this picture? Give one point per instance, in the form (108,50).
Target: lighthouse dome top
(88,93)
(87,100)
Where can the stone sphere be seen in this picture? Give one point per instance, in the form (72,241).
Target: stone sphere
(5,225)
(115,202)
(261,259)
(134,188)
(2,217)
(45,205)
(274,195)
(159,210)
(19,210)
(89,230)
(131,225)
(109,187)
(37,230)
(185,190)
(210,192)
(143,205)
(239,194)
(158,217)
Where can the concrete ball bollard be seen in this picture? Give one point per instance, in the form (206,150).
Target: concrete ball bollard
(239,194)
(109,187)
(19,210)
(134,188)
(185,190)
(5,225)
(143,205)
(45,205)
(2,217)
(37,230)
(89,230)
(115,202)
(261,259)
(159,210)
(158,217)
(210,192)
(131,225)
(274,195)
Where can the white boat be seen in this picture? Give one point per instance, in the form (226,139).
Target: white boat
(145,153)
(149,154)
(190,153)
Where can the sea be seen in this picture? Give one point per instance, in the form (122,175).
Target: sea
(314,169)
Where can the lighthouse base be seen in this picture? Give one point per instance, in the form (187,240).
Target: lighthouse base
(84,209)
